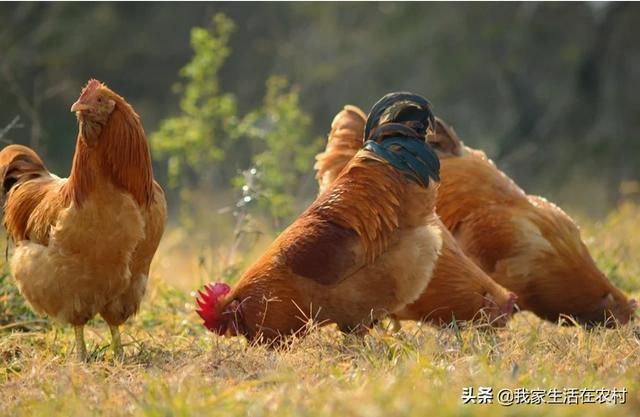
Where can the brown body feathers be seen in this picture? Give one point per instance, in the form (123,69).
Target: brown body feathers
(84,244)
(345,139)
(525,243)
(459,289)
(365,248)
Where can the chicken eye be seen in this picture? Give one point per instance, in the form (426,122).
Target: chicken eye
(99,99)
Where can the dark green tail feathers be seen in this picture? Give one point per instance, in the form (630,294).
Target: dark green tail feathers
(401,107)
(396,129)
(403,149)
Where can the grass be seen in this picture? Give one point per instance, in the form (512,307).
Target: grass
(175,368)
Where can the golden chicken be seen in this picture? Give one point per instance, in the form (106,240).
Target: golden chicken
(459,289)
(345,140)
(525,243)
(84,244)
(366,247)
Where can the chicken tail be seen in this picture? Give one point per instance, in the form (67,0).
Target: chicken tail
(19,164)
(344,141)
(406,108)
(403,148)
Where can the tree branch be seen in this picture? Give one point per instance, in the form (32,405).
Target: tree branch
(31,107)
(13,124)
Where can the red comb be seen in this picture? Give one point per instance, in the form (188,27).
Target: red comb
(207,301)
(92,84)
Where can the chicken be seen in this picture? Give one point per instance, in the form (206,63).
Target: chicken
(364,248)
(459,289)
(345,140)
(524,242)
(84,244)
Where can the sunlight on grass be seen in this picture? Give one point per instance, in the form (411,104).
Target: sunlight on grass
(175,368)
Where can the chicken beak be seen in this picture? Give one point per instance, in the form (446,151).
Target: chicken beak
(79,106)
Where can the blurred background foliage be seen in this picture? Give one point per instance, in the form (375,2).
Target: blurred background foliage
(549,90)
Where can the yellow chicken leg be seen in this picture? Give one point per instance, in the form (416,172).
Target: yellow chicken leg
(116,342)
(80,345)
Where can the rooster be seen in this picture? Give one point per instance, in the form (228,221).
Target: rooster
(84,244)
(366,246)
(524,242)
(459,289)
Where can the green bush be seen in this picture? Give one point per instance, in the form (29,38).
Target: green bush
(208,143)
(281,129)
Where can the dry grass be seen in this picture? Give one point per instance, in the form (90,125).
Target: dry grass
(174,368)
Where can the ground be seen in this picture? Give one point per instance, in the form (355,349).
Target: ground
(174,368)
